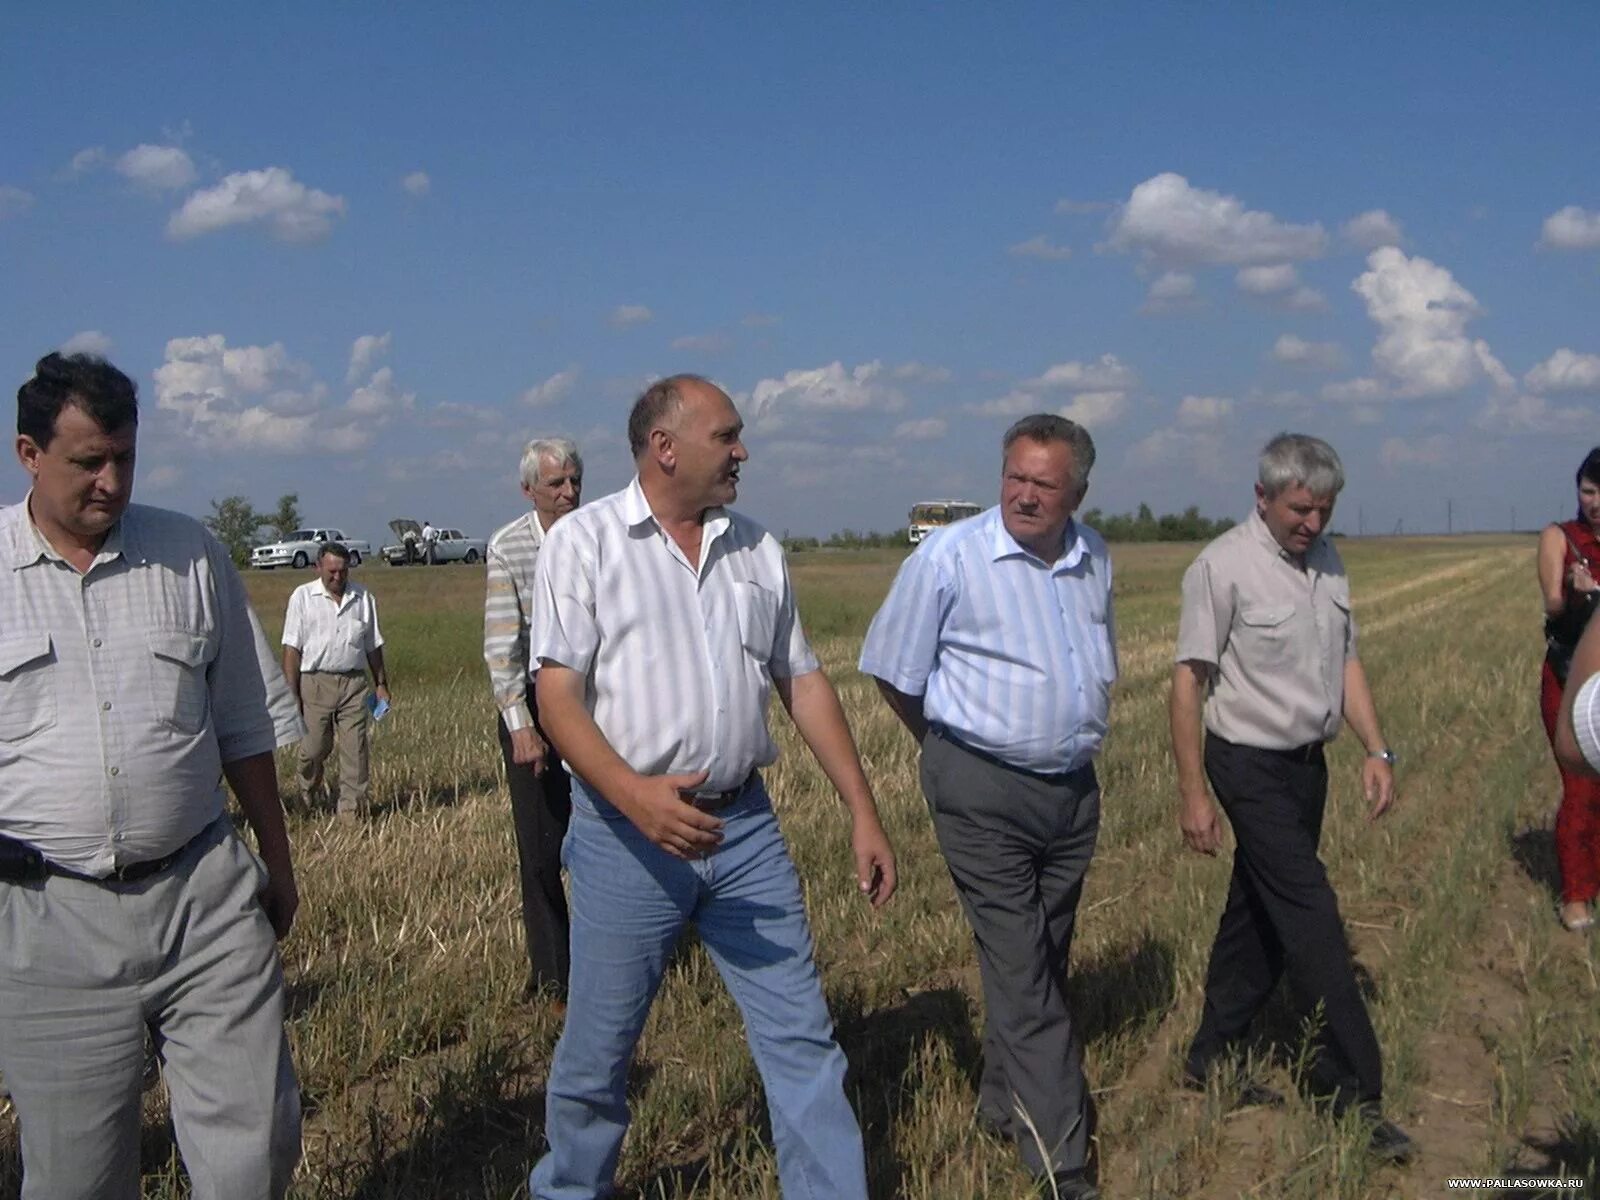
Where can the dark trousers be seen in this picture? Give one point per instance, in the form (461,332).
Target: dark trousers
(1282,916)
(1018,847)
(541,806)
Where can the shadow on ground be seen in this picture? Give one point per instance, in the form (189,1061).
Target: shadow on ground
(1534,850)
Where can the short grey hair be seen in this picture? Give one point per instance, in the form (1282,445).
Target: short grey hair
(1298,459)
(558,450)
(1047,427)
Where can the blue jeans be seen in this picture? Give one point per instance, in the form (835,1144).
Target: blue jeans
(630,902)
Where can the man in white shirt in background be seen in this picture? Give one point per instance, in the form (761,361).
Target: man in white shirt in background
(666,622)
(133,679)
(541,792)
(330,641)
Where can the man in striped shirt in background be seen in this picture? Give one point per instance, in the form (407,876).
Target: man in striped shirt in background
(996,650)
(666,622)
(541,793)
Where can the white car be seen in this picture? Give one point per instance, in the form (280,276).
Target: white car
(450,545)
(300,548)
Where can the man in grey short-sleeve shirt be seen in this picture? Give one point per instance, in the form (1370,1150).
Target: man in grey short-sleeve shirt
(1267,644)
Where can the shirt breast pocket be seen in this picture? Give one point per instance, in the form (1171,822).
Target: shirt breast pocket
(27,686)
(758,619)
(1266,631)
(178,680)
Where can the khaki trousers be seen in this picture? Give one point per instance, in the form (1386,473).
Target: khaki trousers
(335,709)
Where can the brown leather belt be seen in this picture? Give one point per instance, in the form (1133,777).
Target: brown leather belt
(712,801)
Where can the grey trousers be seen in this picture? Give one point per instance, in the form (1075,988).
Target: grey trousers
(188,954)
(1018,848)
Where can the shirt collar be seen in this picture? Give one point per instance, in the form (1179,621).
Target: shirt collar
(1003,545)
(1263,536)
(636,511)
(25,545)
(318,588)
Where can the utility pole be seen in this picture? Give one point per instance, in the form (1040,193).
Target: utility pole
(1449,517)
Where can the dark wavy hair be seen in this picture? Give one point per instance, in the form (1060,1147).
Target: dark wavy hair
(86,380)
(1590,468)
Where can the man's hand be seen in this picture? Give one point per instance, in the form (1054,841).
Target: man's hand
(875,867)
(1202,829)
(381,691)
(1377,784)
(280,899)
(528,749)
(656,805)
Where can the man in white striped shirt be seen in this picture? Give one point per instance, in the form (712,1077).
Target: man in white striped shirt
(666,623)
(996,650)
(330,641)
(541,792)
(134,679)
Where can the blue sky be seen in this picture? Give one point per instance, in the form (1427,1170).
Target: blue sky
(361,253)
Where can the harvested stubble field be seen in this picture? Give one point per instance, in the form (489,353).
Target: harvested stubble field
(423,1071)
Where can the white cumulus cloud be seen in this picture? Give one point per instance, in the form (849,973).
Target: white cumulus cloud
(833,387)
(1175,224)
(1296,351)
(1372,229)
(1566,371)
(1172,291)
(925,430)
(364,352)
(159,168)
(86,160)
(380,396)
(1571,228)
(1280,284)
(417,183)
(552,390)
(272,198)
(14,201)
(1201,451)
(1102,383)
(1525,413)
(1095,409)
(1042,248)
(625,315)
(1201,411)
(1422,315)
(89,341)
(250,398)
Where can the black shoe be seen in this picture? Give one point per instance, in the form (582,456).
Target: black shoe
(1068,1185)
(1251,1094)
(1387,1141)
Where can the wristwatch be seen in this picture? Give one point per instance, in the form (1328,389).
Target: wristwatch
(1387,755)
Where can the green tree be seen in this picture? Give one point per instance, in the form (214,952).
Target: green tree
(235,522)
(287,519)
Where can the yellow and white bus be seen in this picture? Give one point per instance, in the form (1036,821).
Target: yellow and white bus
(936,514)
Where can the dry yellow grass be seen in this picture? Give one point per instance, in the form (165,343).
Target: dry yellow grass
(423,1071)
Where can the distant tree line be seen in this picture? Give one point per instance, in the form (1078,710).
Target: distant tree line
(238,525)
(1145,526)
(1141,526)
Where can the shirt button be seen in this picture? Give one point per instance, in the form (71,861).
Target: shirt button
(116,770)
(105,706)
(95,643)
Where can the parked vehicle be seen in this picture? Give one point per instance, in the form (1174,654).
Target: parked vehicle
(936,514)
(450,545)
(300,548)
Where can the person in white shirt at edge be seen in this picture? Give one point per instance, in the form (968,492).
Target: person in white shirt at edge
(667,621)
(430,538)
(996,648)
(134,679)
(551,475)
(330,641)
(1265,673)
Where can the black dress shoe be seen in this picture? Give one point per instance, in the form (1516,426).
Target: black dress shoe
(1251,1094)
(1386,1140)
(1068,1185)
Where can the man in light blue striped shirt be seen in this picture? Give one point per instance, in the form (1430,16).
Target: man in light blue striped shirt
(996,649)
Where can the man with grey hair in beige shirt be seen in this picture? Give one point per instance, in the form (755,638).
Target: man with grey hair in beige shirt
(1267,661)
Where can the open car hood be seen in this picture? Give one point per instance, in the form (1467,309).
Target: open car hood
(403,526)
